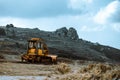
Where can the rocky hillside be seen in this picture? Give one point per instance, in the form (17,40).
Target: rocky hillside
(63,42)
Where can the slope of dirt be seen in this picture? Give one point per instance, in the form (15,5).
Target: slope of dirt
(25,69)
(86,70)
(66,69)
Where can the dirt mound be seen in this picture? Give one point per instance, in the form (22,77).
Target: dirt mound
(63,68)
(100,71)
(1,57)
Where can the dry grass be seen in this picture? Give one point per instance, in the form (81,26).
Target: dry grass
(96,68)
(69,77)
(100,71)
(63,68)
(63,71)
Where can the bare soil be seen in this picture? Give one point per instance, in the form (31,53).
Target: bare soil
(66,69)
(21,69)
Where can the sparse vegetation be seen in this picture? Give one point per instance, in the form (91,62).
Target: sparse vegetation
(64,71)
(63,68)
(96,68)
(100,71)
(2,32)
(1,57)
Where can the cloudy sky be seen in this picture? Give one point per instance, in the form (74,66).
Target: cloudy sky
(94,20)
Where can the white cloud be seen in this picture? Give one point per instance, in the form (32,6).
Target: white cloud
(47,24)
(116,27)
(111,13)
(79,4)
(92,29)
(16,21)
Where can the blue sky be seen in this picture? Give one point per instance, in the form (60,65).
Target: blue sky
(94,20)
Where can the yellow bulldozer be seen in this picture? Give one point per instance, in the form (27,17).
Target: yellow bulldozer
(37,51)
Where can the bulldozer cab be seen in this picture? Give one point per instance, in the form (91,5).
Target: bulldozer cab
(36,46)
(37,51)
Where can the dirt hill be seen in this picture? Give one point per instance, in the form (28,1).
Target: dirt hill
(63,42)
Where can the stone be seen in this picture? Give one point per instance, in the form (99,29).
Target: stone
(2,32)
(62,32)
(72,33)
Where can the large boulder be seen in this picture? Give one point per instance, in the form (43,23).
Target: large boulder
(72,33)
(62,32)
(9,26)
(69,33)
(10,30)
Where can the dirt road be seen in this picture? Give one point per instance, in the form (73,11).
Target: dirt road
(18,68)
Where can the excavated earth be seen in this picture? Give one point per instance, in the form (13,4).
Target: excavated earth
(66,69)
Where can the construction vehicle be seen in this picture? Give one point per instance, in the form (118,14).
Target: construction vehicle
(37,51)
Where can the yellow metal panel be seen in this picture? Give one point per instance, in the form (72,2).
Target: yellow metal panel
(31,52)
(40,52)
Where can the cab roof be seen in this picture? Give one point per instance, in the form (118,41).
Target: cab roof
(35,40)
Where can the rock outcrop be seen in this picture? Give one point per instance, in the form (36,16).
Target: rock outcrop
(10,32)
(62,32)
(2,32)
(70,33)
